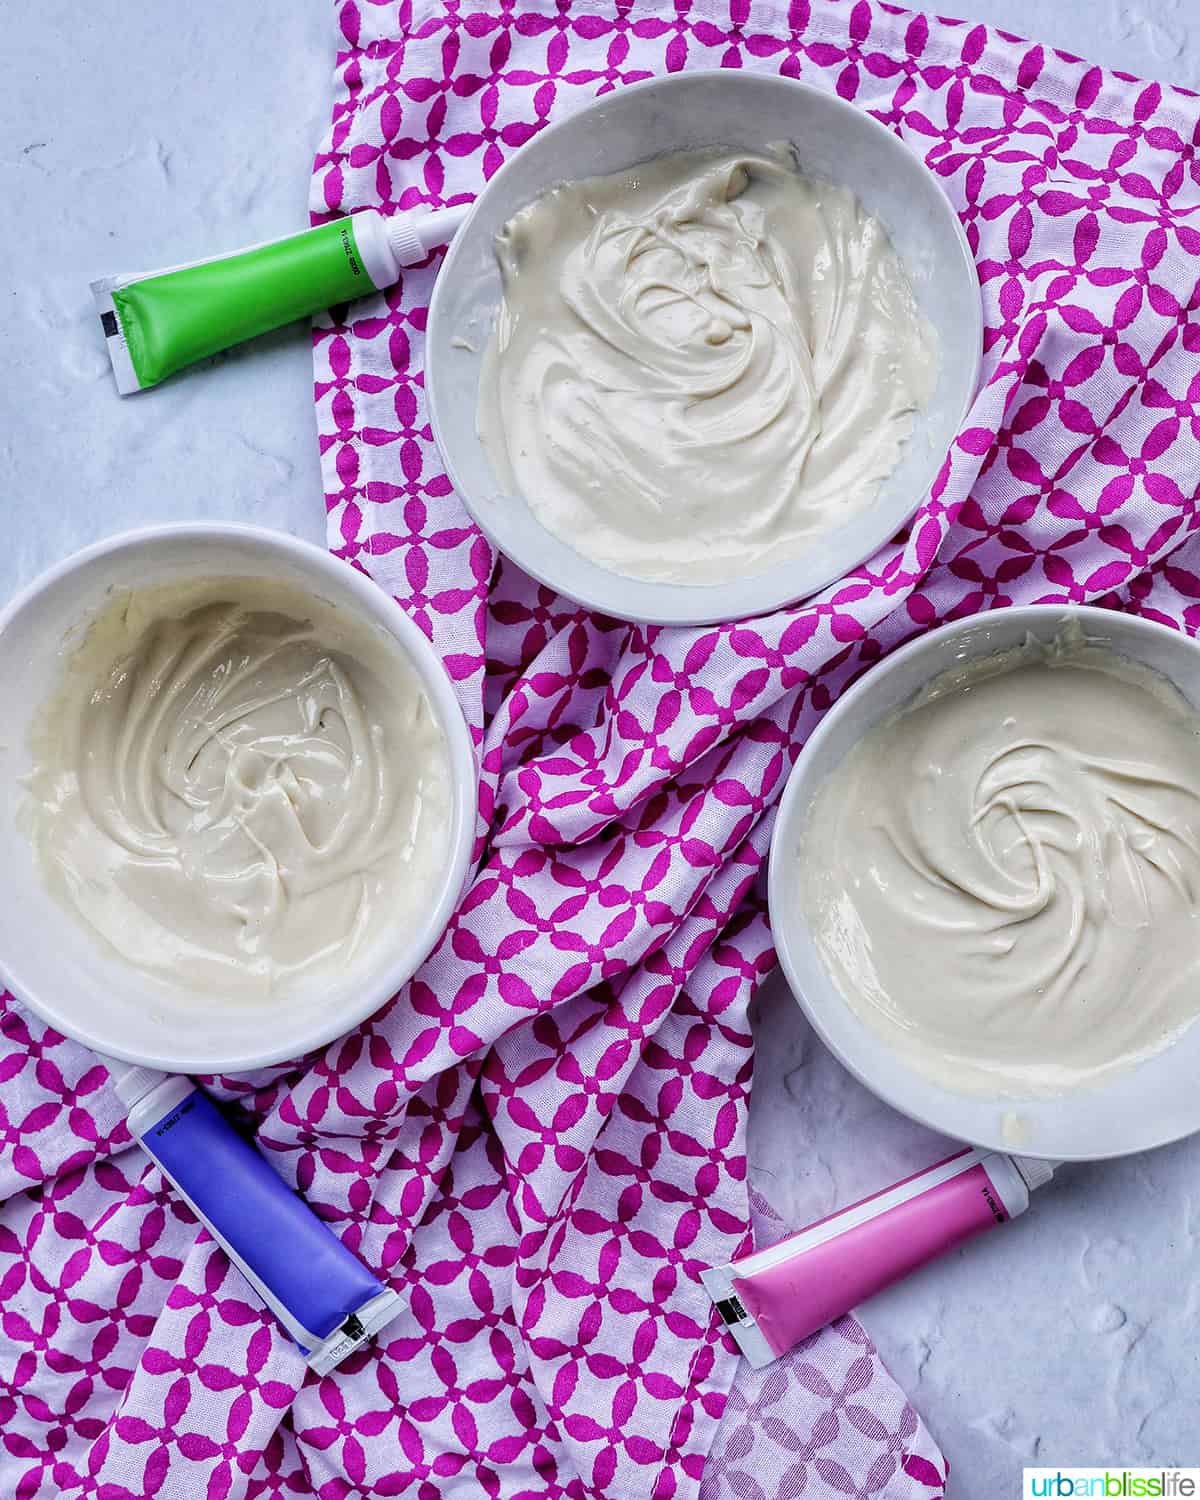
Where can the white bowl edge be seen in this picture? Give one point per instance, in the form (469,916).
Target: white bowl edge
(82,957)
(467,291)
(1150,1104)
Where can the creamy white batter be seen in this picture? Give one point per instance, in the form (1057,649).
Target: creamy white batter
(701,365)
(236,784)
(1004,880)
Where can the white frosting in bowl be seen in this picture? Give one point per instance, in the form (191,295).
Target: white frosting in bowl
(236,784)
(1003,879)
(701,365)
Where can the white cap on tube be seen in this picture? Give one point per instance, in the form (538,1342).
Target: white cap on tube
(411,236)
(389,243)
(131,1082)
(1036,1172)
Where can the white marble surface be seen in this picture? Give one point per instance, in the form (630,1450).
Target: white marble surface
(134,136)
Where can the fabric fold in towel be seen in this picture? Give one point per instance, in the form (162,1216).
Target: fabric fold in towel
(542,1139)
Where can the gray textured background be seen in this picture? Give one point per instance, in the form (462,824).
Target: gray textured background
(135,136)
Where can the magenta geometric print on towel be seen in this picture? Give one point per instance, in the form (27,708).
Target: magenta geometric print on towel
(542,1138)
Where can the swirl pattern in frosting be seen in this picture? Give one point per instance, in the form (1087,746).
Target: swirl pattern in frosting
(236,785)
(701,365)
(1004,880)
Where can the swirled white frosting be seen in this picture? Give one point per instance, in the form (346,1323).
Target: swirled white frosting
(701,365)
(1004,880)
(235,784)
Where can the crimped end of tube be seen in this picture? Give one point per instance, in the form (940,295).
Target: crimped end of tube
(358,1328)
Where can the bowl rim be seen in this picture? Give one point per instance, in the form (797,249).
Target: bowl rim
(644,601)
(922,1100)
(339,1018)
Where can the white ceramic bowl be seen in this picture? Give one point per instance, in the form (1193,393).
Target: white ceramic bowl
(1148,1105)
(47,957)
(834,141)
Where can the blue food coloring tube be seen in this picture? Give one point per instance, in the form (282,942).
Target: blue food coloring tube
(324,1297)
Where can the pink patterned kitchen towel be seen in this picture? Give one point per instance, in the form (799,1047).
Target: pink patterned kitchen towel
(542,1138)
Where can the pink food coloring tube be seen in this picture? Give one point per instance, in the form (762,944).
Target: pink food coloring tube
(772,1299)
